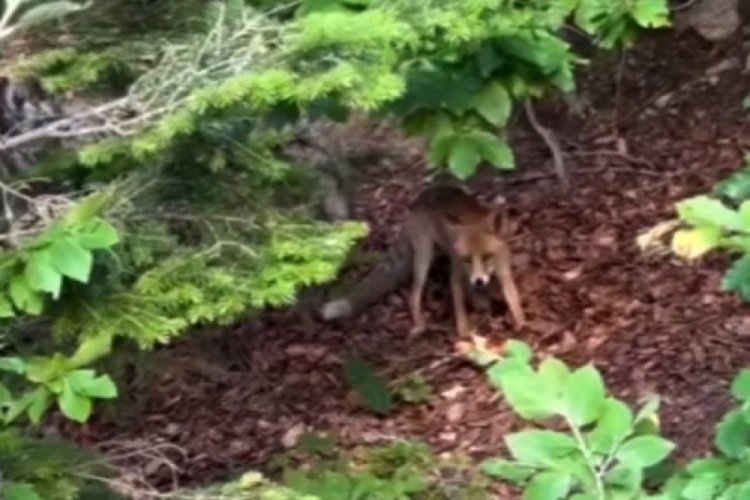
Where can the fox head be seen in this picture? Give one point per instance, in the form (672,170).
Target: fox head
(476,241)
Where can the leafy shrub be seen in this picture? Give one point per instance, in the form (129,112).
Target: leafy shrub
(720,221)
(603,450)
(606,448)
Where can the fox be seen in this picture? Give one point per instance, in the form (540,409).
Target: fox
(451,220)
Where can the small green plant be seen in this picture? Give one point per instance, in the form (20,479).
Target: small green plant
(720,221)
(369,385)
(399,470)
(413,388)
(595,447)
(603,454)
(726,476)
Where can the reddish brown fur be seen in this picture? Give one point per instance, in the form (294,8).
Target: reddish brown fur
(450,219)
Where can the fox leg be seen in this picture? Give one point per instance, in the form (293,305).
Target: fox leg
(423,254)
(463,328)
(504,276)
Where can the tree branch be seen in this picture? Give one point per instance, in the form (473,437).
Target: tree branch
(552,144)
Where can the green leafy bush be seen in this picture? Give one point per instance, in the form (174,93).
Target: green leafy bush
(596,447)
(606,447)
(720,221)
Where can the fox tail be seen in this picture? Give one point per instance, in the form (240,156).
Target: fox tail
(388,274)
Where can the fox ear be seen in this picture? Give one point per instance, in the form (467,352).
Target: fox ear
(497,218)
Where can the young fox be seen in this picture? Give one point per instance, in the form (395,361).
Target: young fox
(448,219)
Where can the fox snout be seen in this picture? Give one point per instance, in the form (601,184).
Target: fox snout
(480,274)
(480,281)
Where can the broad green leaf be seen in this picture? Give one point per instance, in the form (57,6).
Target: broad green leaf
(548,486)
(644,451)
(554,374)
(525,392)
(516,349)
(741,492)
(703,487)
(733,434)
(614,424)
(628,478)
(741,386)
(651,13)
(20,491)
(97,235)
(39,401)
(495,150)
(464,157)
(739,242)
(13,364)
(368,384)
(695,242)
(34,403)
(558,11)
(41,275)
(90,350)
(494,104)
(71,259)
(540,448)
(439,149)
(584,395)
(708,466)
(509,471)
(428,123)
(43,370)
(737,278)
(73,405)
(24,297)
(86,383)
(705,211)
(6,308)
(736,187)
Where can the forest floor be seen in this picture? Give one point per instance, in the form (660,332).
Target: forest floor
(671,128)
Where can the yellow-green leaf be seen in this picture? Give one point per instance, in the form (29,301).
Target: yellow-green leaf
(695,242)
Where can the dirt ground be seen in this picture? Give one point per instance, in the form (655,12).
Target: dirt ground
(671,128)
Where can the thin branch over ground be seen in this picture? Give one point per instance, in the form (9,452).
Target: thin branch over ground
(552,143)
(228,49)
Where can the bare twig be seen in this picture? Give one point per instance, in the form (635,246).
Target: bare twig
(552,143)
